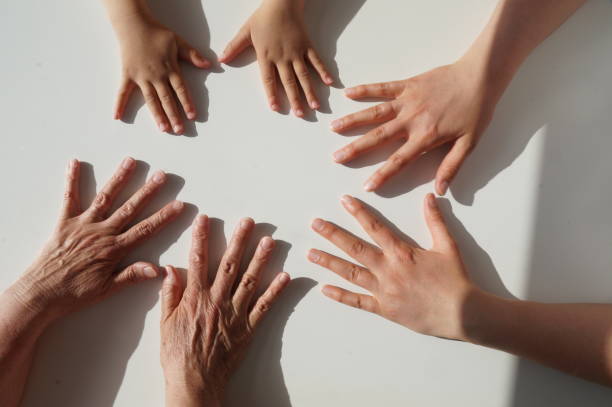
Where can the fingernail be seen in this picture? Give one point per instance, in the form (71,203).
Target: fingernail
(159,177)
(314,105)
(326,291)
(284,277)
(170,275)
(431,201)
(127,163)
(150,272)
(201,220)
(222,56)
(162,126)
(349,92)
(328,80)
(178,129)
(318,224)
(348,202)
(336,124)
(73,163)
(443,187)
(245,223)
(177,205)
(313,256)
(340,156)
(267,243)
(274,106)
(370,186)
(298,112)
(191,115)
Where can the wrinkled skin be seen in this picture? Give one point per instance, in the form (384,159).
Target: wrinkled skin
(208,322)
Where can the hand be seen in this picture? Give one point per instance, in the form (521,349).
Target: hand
(78,266)
(445,105)
(422,290)
(277,32)
(150,54)
(207,323)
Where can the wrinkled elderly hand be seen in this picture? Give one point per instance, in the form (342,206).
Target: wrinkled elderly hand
(445,105)
(277,32)
(208,322)
(423,290)
(78,266)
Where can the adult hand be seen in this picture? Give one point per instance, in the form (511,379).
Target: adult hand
(78,266)
(420,289)
(445,105)
(150,53)
(208,322)
(277,32)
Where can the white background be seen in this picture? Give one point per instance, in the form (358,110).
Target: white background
(530,208)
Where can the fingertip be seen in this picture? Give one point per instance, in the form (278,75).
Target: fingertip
(430,200)
(170,276)
(317,224)
(284,278)
(149,271)
(267,243)
(442,187)
(298,112)
(328,291)
(370,185)
(313,256)
(350,92)
(314,105)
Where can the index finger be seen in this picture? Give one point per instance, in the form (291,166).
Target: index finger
(380,233)
(360,250)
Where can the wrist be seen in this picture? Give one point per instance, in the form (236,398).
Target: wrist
(487,318)
(130,15)
(184,389)
(297,5)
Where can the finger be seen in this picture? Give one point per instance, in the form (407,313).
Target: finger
(183,95)
(171,292)
(291,88)
(189,54)
(239,43)
(265,302)
(125,91)
(135,273)
(148,227)
(71,206)
(376,114)
(230,263)
(386,90)
(451,164)
(126,212)
(393,165)
(351,272)
(303,75)
(250,279)
(319,66)
(104,199)
(442,239)
(168,102)
(152,101)
(197,274)
(268,77)
(372,139)
(362,251)
(381,234)
(346,297)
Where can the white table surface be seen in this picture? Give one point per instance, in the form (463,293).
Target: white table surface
(530,209)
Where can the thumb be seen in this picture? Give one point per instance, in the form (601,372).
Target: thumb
(239,43)
(452,163)
(189,54)
(442,240)
(171,292)
(136,273)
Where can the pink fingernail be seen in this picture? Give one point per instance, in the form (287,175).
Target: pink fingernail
(348,202)
(318,224)
(336,124)
(340,156)
(299,112)
(369,186)
(149,272)
(349,92)
(177,205)
(313,256)
(443,187)
(267,243)
(314,105)
(170,275)
(127,163)
(284,277)
(159,177)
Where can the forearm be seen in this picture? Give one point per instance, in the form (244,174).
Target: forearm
(515,29)
(123,13)
(574,338)
(20,328)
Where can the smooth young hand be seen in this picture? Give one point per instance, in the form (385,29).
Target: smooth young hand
(208,322)
(423,290)
(150,55)
(445,105)
(278,34)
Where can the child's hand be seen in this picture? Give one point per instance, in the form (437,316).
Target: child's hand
(277,32)
(445,105)
(150,54)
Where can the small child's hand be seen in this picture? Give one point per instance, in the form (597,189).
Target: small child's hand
(150,54)
(277,32)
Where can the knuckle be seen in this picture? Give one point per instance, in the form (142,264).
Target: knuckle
(375,225)
(358,303)
(166,98)
(145,229)
(264,306)
(354,273)
(126,210)
(268,80)
(380,133)
(303,74)
(197,260)
(248,282)
(180,88)
(396,160)
(229,266)
(357,248)
(379,111)
(101,200)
